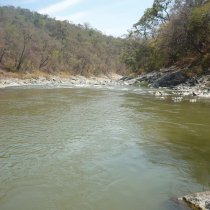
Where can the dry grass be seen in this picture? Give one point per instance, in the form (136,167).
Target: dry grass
(64,74)
(5,74)
(32,75)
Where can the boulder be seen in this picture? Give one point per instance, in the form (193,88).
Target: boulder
(171,79)
(198,201)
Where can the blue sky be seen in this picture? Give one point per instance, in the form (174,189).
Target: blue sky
(112,17)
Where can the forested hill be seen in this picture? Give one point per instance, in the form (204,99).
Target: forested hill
(30,41)
(171,32)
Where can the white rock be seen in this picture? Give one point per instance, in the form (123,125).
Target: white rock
(199,201)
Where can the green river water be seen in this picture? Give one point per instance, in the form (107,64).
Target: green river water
(100,149)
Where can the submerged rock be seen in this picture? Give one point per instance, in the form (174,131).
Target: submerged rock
(198,201)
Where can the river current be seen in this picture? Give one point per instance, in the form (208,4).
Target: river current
(100,149)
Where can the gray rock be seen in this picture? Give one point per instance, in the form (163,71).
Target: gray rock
(171,79)
(198,201)
(150,77)
(126,78)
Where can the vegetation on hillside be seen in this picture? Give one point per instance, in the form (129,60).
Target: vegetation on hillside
(30,41)
(171,32)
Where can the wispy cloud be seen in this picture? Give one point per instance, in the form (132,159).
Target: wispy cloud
(28,1)
(58,7)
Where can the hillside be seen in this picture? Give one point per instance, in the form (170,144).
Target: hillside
(30,41)
(171,33)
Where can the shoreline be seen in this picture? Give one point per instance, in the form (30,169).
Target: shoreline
(173,81)
(56,81)
(199,89)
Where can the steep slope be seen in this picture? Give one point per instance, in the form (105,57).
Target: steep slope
(171,32)
(30,41)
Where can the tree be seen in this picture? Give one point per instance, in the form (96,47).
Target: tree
(33,41)
(153,17)
(171,32)
(26,40)
(199,28)
(2,52)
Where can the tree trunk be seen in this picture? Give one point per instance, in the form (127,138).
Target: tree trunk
(43,62)
(26,38)
(21,57)
(2,55)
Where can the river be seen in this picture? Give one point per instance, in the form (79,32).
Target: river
(100,149)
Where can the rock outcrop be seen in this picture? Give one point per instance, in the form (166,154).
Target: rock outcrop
(198,201)
(174,79)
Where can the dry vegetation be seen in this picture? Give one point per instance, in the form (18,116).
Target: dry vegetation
(35,43)
(171,32)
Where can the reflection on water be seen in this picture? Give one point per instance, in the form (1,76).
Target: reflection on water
(82,149)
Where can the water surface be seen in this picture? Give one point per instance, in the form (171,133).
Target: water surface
(100,149)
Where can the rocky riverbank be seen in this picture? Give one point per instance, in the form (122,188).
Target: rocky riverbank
(56,81)
(179,82)
(162,83)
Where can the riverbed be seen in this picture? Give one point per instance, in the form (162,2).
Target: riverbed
(100,149)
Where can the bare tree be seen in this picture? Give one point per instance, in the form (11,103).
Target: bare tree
(2,54)
(26,39)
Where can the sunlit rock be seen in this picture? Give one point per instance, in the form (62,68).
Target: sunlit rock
(198,201)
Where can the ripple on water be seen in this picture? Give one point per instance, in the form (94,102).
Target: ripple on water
(100,149)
